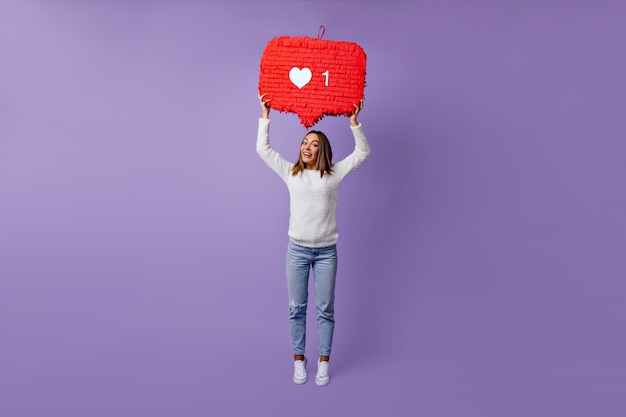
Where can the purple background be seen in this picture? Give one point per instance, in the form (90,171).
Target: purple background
(142,240)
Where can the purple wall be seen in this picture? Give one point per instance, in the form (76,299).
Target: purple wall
(142,240)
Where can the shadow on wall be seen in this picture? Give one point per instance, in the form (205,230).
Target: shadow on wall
(377,277)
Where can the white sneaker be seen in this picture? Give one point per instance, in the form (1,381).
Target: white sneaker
(299,372)
(322,378)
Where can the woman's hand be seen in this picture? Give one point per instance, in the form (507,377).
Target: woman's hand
(265,107)
(357,110)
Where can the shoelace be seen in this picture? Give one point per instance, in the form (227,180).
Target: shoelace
(299,365)
(322,369)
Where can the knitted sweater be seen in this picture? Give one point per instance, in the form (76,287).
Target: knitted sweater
(312,200)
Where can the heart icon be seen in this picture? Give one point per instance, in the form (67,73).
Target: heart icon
(300,77)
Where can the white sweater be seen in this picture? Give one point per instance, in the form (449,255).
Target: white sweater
(313,200)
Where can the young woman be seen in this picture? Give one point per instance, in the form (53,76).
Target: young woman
(313,184)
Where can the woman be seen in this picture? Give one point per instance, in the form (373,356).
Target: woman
(313,184)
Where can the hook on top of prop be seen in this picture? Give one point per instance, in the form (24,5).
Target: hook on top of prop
(320,32)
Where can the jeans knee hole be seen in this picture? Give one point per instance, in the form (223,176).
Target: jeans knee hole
(294,307)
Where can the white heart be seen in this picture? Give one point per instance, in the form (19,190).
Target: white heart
(300,77)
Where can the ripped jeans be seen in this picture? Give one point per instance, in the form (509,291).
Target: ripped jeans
(324,263)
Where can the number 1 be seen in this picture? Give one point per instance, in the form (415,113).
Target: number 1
(326,74)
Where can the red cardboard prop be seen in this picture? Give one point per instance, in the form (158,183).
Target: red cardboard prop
(312,77)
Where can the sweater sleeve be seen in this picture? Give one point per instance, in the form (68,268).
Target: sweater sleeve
(356,158)
(269,155)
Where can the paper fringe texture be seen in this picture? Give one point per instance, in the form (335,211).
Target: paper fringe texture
(345,66)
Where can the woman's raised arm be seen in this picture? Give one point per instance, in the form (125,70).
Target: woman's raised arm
(272,158)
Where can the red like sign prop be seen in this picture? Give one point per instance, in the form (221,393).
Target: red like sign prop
(312,77)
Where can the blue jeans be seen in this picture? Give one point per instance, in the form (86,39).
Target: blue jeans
(300,260)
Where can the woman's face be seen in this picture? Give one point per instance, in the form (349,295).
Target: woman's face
(309,149)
